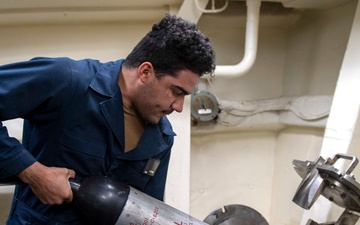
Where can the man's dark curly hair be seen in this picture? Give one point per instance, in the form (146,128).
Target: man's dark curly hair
(172,45)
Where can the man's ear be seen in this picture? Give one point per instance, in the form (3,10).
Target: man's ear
(146,71)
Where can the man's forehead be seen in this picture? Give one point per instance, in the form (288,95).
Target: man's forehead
(186,81)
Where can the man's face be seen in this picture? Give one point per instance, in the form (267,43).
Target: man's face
(156,98)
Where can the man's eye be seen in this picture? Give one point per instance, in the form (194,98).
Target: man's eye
(176,92)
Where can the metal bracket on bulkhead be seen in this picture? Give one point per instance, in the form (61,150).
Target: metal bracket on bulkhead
(321,177)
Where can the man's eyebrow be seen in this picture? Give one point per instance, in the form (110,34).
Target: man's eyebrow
(185,92)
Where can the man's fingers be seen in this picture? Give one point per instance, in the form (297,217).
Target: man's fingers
(69,200)
(71,174)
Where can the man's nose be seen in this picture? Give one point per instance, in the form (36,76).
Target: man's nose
(178,104)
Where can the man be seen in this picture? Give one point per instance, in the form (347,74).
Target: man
(87,118)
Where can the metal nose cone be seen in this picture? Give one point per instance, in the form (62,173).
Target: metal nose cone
(309,189)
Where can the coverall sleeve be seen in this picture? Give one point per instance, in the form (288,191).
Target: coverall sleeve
(27,90)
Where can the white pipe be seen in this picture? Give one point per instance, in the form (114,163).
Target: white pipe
(251,39)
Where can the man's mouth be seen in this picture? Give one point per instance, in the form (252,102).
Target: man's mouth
(167,112)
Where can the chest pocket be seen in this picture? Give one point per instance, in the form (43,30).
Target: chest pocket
(131,172)
(86,157)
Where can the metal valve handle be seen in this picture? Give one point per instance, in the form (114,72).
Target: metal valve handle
(353,164)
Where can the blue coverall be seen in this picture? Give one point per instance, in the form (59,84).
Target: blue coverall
(73,117)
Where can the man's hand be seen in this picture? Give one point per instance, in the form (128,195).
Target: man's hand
(50,184)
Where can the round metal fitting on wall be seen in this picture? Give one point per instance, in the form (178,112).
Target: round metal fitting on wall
(204,106)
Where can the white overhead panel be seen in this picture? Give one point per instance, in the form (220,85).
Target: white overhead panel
(14,12)
(306,4)
(312,4)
